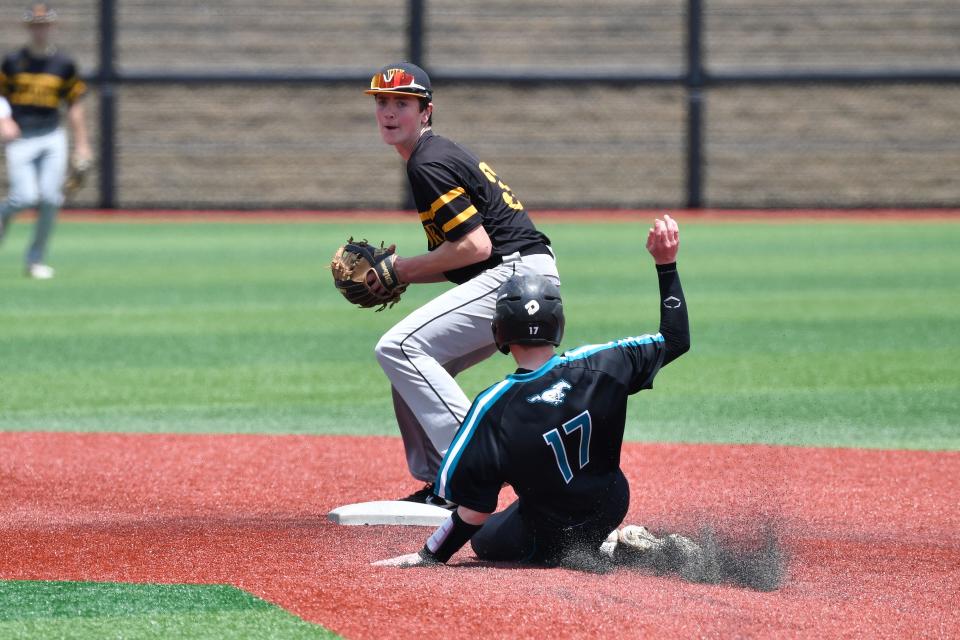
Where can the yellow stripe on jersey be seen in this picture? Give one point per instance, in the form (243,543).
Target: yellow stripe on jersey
(453,222)
(453,194)
(78,89)
(49,80)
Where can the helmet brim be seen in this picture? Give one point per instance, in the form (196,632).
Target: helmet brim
(395,92)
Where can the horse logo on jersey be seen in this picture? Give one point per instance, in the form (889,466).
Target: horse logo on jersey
(554,395)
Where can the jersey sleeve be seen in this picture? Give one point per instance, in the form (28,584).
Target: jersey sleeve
(472,475)
(634,361)
(73,87)
(442,200)
(6,78)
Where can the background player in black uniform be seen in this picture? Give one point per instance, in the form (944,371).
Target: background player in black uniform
(478,235)
(554,429)
(36,80)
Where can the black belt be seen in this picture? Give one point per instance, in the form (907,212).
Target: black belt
(536,249)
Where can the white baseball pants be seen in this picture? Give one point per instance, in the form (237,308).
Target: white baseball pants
(36,168)
(423,352)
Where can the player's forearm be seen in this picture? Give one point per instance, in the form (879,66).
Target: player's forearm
(453,534)
(416,270)
(674,323)
(472,248)
(78,126)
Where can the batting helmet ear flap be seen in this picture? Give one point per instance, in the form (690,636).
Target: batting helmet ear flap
(529,311)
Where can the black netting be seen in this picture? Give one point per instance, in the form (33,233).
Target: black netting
(559,146)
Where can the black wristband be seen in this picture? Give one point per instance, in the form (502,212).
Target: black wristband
(448,538)
(674,325)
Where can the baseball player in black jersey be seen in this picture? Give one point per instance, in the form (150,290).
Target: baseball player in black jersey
(478,235)
(553,430)
(36,80)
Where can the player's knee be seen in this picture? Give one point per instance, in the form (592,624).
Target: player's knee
(491,549)
(397,346)
(49,199)
(22,199)
(388,349)
(482,547)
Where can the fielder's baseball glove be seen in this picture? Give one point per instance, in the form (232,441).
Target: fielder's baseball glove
(358,266)
(76,176)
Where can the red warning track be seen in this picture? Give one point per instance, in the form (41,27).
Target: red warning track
(874,536)
(615,216)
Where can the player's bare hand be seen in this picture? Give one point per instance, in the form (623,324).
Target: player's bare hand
(9,131)
(374,283)
(404,561)
(663,240)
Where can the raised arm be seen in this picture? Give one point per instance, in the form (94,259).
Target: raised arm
(663,243)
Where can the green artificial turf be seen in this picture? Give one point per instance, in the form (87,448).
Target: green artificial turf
(97,610)
(803,333)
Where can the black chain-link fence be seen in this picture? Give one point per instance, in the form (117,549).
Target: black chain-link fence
(771,134)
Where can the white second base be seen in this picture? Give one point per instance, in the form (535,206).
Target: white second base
(389,512)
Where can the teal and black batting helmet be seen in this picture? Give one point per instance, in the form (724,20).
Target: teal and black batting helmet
(529,311)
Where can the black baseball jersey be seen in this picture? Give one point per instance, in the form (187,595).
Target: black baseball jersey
(553,434)
(455,193)
(35,87)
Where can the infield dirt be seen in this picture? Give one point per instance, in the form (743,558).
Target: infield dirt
(872,536)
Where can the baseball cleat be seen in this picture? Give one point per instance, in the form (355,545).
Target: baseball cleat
(39,271)
(630,543)
(426,496)
(635,546)
(638,538)
(609,546)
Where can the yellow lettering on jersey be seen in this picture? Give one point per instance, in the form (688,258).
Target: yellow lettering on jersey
(512,201)
(48,80)
(508,196)
(434,239)
(453,222)
(36,89)
(487,171)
